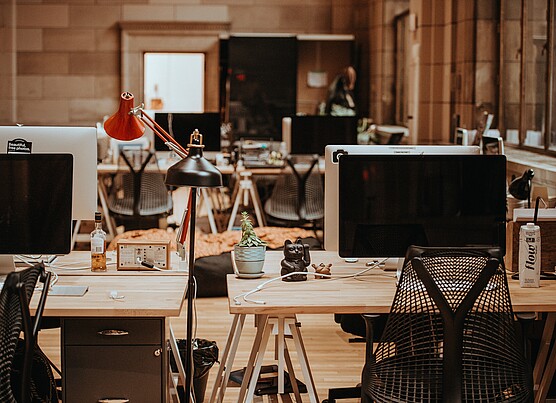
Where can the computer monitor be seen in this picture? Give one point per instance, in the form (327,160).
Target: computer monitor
(35,205)
(311,134)
(81,142)
(389,202)
(183,124)
(331,179)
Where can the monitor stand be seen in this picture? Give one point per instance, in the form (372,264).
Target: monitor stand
(7,264)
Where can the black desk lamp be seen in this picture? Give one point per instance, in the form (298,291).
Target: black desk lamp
(520,188)
(196,172)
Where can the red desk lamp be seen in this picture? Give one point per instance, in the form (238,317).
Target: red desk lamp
(192,170)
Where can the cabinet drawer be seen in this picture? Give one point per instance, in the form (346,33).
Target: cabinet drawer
(112,331)
(92,373)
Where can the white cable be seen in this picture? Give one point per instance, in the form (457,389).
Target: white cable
(23,258)
(195,310)
(72,265)
(261,286)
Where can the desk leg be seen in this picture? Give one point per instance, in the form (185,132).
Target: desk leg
(258,364)
(262,319)
(280,351)
(291,373)
(75,233)
(257,205)
(304,362)
(234,209)
(228,358)
(210,213)
(543,372)
(103,197)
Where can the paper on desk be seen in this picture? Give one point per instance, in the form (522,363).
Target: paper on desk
(527,214)
(69,290)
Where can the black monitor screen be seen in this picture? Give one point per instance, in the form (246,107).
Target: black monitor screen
(183,125)
(388,202)
(311,134)
(35,203)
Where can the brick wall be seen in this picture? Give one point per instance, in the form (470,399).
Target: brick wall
(68,52)
(7,60)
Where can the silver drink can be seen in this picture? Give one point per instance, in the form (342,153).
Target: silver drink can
(529,255)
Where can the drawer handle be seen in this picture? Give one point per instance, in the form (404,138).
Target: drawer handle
(113,332)
(115,400)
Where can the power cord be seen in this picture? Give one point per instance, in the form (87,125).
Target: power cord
(245,295)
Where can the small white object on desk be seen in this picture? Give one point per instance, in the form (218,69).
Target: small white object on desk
(115,295)
(68,290)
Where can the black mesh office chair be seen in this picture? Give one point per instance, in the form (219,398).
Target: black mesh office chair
(14,318)
(138,196)
(297,197)
(450,334)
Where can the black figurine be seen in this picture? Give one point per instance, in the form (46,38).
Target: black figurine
(296,259)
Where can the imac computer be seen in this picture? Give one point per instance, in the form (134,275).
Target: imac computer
(332,155)
(311,134)
(181,125)
(389,202)
(81,142)
(35,205)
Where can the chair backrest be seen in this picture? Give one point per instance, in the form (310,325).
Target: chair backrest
(138,187)
(298,196)
(15,318)
(11,325)
(450,333)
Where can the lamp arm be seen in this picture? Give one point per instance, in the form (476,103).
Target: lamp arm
(175,149)
(184,226)
(186,219)
(159,131)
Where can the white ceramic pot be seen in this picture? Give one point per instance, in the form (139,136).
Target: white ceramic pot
(249,259)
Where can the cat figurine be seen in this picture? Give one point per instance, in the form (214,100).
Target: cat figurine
(296,259)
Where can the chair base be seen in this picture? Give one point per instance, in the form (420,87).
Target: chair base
(353,392)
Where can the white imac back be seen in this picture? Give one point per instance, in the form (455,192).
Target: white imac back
(79,141)
(333,152)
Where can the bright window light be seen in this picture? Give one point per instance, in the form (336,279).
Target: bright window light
(174,82)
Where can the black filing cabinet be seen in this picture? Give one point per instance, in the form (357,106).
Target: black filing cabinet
(113,358)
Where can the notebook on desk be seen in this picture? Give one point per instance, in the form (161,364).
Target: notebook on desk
(69,290)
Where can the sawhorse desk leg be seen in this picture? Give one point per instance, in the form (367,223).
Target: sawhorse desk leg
(266,326)
(205,198)
(245,189)
(228,356)
(544,371)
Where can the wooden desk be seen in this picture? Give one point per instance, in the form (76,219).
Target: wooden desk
(372,292)
(116,348)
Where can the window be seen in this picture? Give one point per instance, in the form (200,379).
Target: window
(526,64)
(174,82)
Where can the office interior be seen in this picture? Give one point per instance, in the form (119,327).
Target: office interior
(433,70)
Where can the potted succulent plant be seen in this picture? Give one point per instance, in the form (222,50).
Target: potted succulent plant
(250,251)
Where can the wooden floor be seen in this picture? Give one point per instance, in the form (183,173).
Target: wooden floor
(334,361)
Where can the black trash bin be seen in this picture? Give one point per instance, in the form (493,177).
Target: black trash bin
(205,354)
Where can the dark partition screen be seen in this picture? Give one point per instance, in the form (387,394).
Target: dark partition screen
(311,134)
(263,83)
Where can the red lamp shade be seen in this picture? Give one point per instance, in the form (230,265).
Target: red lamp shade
(124,125)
